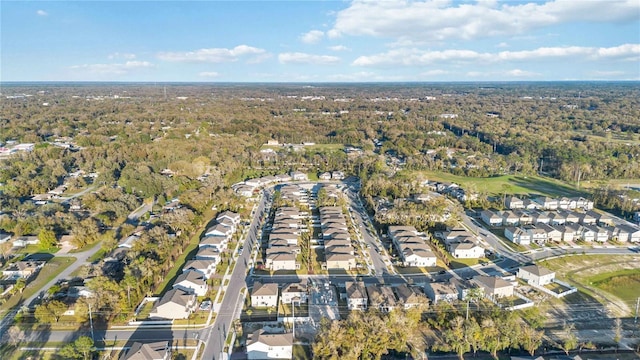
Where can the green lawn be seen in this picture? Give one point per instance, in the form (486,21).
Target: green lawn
(508,183)
(624,284)
(50,270)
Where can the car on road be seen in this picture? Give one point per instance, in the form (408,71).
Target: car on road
(240,249)
(205,305)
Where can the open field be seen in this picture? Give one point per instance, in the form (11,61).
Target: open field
(624,284)
(595,277)
(508,183)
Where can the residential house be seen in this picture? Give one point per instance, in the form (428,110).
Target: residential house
(510,219)
(491,218)
(441,291)
(356,295)
(536,275)
(587,219)
(262,345)
(294,292)
(540,217)
(219,230)
(601,218)
(493,286)
(340,261)
(381,297)
(466,250)
(566,203)
(264,295)
(417,255)
(557,218)
(513,202)
(570,232)
(547,203)
(206,267)
(283,177)
(588,233)
(529,204)
(524,217)
(23,269)
(148,351)
(582,203)
(602,234)
(192,281)
(175,304)
(281,261)
(337,175)
(325,176)
(299,176)
(553,234)
(218,243)
(517,235)
(229,215)
(571,217)
(409,296)
(538,235)
(624,233)
(208,253)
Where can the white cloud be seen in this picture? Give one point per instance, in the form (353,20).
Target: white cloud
(209,74)
(442,19)
(338,48)
(521,73)
(434,72)
(42,13)
(113,69)
(303,58)
(417,57)
(214,55)
(502,45)
(118,55)
(312,37)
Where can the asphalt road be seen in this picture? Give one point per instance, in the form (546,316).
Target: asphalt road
(232,302)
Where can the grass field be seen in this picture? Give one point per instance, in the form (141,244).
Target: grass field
(624,284)
(508,183)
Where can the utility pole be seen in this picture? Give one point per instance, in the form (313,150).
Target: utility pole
(637,306)
(91,322)
(467,316)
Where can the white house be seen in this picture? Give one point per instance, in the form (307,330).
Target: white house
(262,345)
(219,230)
(175,304)
(441,291)
(537,235)
(417,255)
(491,218)
(536,275)
(517,235)
(230,215)
(192,281)
(264,295)
(294,292)
(299,176)
(356,295)
(494,287)
(206,267)
(466,250)
(625,233)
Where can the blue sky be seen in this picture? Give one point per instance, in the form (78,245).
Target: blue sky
(320,41)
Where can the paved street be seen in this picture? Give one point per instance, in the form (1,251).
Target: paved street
(233,301)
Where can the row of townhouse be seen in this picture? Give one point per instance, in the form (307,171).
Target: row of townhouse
(542,233)
(339,253)
(295,193)
(461,244)
(382,297)
(282,247)
(548,203)
(248,187)
(268,294)
(181,300)
(560,217)
(412,249)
